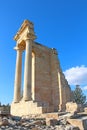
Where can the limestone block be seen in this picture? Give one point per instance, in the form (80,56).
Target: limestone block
(70,127)
(85,109)
(51,122)
(73,107)
(51,115)
(35,128)
(81,122)
(4,122)
(25,108)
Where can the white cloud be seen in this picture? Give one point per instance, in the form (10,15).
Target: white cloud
(77,75)
(84,88)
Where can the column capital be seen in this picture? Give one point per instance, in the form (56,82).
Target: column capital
(18,48)
(29,36)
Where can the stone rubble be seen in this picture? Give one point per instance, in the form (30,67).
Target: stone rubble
(17,123)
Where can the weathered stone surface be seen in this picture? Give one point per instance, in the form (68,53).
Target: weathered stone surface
(51,115)
(4,122)
(81,122)
(35,128)
(70,127)
(4,110)
(85,109)
(37,124)
(51,122)
(60,127)
(73,107)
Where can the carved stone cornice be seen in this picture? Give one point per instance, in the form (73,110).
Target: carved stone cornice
(26,30)
(29,36)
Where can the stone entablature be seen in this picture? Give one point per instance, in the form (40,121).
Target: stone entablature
(45,86)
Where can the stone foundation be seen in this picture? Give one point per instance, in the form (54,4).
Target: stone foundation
(25,108)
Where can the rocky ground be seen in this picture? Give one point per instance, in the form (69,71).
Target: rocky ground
(17,123)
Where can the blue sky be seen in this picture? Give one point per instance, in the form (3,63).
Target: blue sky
(60,24)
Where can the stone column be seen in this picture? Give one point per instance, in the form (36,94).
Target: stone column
(27,72)
(17,84)
(60,91)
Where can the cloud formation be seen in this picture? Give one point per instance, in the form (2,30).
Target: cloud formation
(77,75)
(84,88)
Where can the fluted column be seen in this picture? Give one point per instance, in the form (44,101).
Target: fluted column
(27,72)
(60,91)
(18,71)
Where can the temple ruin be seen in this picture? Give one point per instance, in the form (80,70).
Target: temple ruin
(45,87)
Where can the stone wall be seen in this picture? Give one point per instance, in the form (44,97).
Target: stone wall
(47,88)
(42,74)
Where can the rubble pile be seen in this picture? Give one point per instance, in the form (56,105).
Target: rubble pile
(21,123)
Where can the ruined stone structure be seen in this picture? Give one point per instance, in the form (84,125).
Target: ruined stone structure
(45,86)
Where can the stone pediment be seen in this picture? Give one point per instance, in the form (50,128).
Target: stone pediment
(25,31)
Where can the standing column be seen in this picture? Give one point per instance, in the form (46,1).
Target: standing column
(28,69)
(17,85)
(60,91)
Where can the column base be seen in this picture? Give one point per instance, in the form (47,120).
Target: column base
(15,101)
(27,99)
